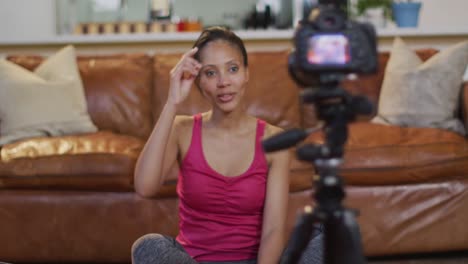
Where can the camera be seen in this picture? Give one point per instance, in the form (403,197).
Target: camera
(327,42)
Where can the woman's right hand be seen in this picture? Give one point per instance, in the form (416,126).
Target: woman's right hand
(182,77)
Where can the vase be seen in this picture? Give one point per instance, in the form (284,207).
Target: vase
(406,14)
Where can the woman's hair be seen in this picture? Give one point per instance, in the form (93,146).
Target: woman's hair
(220,33)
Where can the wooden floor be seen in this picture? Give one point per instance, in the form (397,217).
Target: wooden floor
(440,258)
(425,261)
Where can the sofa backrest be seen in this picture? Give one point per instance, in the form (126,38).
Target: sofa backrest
(126,92)
(118,90)
(271,94)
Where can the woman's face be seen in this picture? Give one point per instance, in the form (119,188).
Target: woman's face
(223,76)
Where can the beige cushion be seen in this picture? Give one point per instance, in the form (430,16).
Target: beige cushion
(47,102)
(418,94)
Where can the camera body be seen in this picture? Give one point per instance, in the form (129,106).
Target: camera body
(328,43)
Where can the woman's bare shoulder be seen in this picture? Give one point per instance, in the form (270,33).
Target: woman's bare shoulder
(278,157)
(271,130)
(183,120)
(183,125)
(187,120)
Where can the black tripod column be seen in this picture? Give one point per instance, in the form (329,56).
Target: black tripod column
(342,239)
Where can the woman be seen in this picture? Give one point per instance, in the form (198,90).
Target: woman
(233,196)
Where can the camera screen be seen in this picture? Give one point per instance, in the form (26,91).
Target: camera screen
(330,49)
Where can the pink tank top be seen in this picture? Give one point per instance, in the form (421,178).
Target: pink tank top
(220,218)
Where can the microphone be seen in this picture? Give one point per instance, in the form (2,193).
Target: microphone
(310,152)
(286,139)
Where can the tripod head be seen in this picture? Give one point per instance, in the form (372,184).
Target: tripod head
(336,107)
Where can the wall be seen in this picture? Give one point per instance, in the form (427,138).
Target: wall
(443,14)
(26,19)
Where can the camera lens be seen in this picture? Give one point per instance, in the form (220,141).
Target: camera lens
(329,21)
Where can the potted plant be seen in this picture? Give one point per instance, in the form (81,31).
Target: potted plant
(376,12)
(406,13)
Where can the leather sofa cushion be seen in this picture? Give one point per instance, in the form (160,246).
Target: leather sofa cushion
(101,160)
(117,87)
(271,94)
(100,142)
(383,155)
(104,172)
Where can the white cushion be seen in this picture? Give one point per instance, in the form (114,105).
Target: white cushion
(47,102)
(423,94)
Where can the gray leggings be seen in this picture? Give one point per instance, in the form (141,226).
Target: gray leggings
(160,249)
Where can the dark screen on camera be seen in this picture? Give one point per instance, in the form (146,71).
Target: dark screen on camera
(328,49)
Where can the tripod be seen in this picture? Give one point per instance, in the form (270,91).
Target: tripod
(342,241)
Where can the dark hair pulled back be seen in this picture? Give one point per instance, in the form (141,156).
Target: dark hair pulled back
(220,33)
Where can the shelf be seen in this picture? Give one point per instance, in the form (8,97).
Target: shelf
(147,37)
(422,32)
(246,35)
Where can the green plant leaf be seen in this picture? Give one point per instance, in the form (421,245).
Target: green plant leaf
(363,5)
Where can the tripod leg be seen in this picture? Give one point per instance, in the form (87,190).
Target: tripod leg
(342,239)
(313,253)
(300,238)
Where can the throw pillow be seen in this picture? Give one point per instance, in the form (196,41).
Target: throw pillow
(47,102)
(423,94)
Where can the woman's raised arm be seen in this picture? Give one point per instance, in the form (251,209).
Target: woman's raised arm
(160,151)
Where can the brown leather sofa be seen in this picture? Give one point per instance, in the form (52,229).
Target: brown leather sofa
(78,204)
